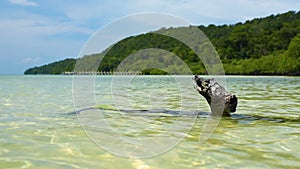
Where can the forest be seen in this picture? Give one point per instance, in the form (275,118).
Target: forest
(262,46)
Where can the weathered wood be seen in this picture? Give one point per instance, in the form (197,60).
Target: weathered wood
(221,102)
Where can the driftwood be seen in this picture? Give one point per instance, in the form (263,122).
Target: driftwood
(221,102)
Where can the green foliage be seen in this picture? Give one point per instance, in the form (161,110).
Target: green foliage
(266,46)
(154,71)
(255,38)
(130,45)
(280,64)
(294,47)
(53,68)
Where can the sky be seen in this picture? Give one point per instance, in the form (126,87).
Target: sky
(38,32)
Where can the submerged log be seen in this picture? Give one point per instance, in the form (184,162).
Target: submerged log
(221,102)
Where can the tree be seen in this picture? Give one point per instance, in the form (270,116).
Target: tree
(293,59)
(294,47)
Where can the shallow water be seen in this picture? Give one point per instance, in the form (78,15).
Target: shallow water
(158,117)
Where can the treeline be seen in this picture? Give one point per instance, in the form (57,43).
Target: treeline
(282,62)
(262,46)
(268,46)
(59,67)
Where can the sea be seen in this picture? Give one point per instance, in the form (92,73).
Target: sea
(146,122)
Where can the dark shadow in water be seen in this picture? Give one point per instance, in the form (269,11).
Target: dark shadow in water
(144,112)
(263,118)
(240,118)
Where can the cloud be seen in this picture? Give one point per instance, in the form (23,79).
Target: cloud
(58,29)
(23,2)
(30,60)
(39,26)
(33,39)
(198,12)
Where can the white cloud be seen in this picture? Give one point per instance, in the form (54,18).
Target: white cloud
(35,26)
(30,60)
(31,39)
(213,11)
(23,2)
(59,28)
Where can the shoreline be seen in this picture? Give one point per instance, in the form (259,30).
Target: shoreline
(226,75)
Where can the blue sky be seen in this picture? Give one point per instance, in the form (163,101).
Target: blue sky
(37,32)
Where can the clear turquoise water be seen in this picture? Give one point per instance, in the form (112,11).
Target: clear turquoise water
(39,128)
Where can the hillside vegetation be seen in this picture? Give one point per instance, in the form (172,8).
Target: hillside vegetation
(262,46)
